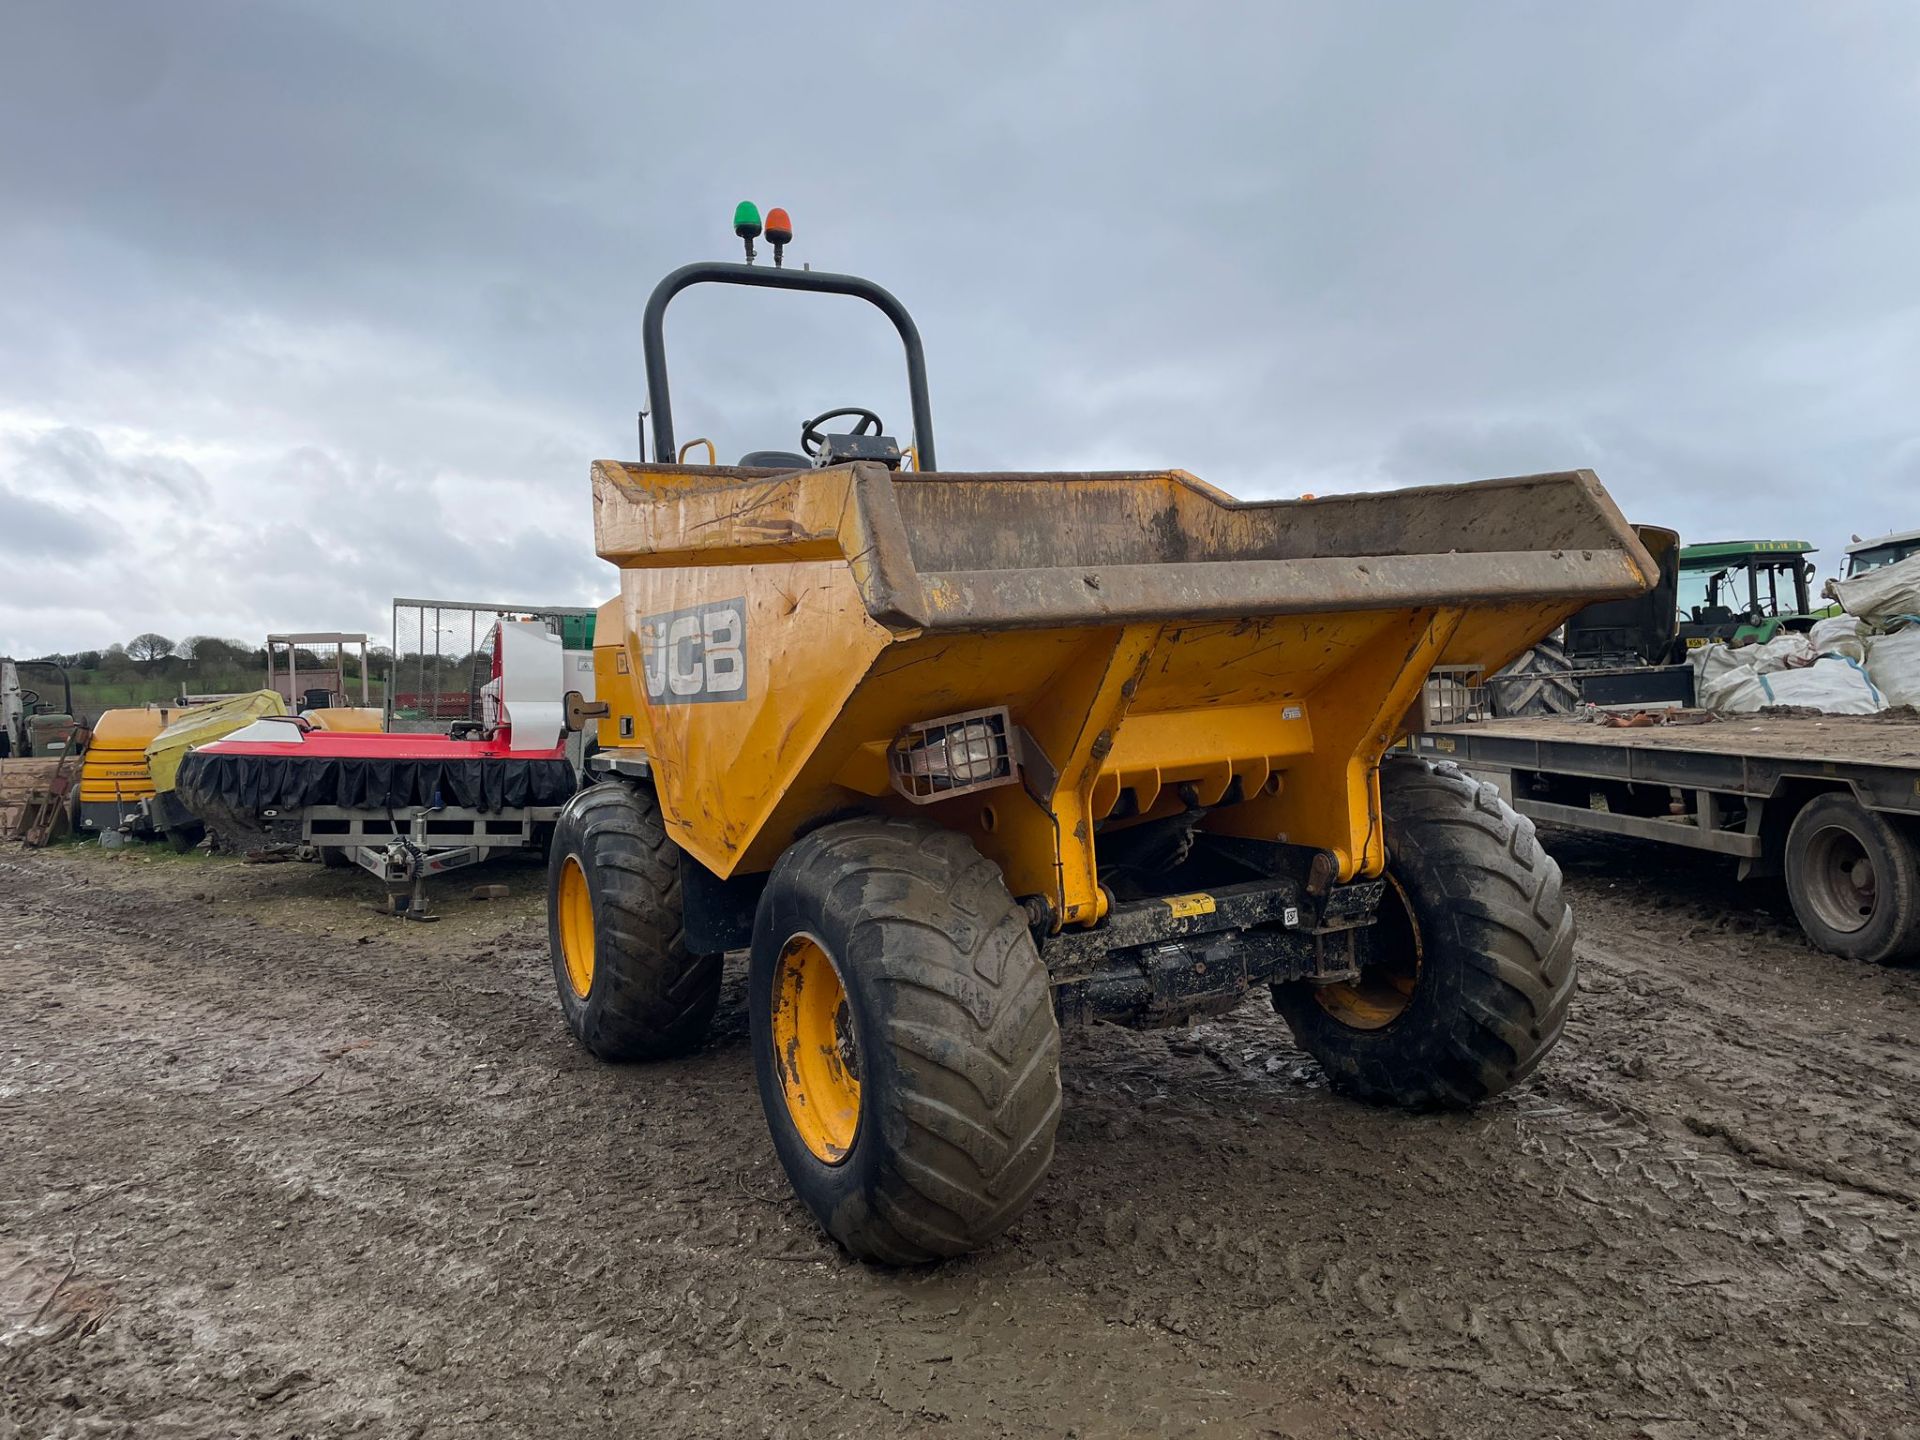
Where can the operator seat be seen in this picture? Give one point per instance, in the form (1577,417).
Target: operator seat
(776,460)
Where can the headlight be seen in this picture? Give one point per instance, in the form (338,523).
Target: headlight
(952,755)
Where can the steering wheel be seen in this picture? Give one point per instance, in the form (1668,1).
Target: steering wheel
(812,439)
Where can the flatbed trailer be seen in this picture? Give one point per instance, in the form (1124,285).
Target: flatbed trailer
(1830,804)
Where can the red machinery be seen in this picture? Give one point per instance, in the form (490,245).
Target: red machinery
(402,806)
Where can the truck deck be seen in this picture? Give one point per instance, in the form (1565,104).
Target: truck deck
(1752,758)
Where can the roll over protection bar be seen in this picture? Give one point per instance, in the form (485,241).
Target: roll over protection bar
(716,272)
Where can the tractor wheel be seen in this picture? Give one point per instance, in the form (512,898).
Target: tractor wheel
(628,986)
(1854,881)
(1540,682)
(1468,972)
(333,857)
(904,1039)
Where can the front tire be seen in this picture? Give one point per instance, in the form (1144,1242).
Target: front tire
(1471,962)
(904,1039)
(1854,881)
(629,988)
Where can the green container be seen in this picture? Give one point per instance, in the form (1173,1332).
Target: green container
(576,632)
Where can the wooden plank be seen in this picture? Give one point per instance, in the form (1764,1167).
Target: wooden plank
(37,773)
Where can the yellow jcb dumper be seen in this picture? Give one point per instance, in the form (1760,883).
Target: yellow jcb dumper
(963,757)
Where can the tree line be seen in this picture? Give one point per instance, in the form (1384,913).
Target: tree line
(153,654)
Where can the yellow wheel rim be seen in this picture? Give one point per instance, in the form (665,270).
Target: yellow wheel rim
(815,1050)
(576,927)
(1386,982)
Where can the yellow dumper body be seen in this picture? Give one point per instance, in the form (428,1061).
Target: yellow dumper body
(960,758)
(1155,645)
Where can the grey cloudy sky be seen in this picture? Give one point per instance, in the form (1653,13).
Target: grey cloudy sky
(306,305)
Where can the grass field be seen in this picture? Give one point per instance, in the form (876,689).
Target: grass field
(91,696)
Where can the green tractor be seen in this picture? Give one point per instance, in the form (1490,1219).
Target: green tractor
(1744,592)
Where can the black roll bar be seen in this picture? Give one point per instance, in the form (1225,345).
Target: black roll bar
(717,272)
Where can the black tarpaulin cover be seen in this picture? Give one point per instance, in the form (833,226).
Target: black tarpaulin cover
(242,784)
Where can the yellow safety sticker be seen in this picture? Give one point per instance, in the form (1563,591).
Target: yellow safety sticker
(1185,906)
(1443,743)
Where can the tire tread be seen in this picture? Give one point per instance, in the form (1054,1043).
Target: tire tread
(967,1019)
(1509,938)
(651,998)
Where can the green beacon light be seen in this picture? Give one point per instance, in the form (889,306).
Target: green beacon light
(746,224)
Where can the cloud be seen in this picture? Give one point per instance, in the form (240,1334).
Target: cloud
(304,306)
(32,529)
(75,462)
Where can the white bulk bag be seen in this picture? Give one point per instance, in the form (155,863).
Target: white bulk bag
(1893,662)
(1889,591)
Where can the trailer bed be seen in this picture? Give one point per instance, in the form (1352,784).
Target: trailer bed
(1835,739)
(1734,785)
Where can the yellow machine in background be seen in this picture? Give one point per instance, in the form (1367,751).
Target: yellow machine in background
(961,756)
(127,778)
(162,813)
(114,778)
(347,719)
(201,724)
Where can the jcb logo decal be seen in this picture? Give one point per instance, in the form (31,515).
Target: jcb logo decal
(689,656)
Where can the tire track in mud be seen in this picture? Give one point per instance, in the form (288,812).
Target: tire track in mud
(1619,1250)
(696,1229)
(466,1223)
(1688,1236)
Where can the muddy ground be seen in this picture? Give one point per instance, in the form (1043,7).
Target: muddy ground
(273,1164)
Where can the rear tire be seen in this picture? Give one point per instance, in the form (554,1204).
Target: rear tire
(1854,880)
(1473,965)
(628,987)
(942,1018)
(1540,682)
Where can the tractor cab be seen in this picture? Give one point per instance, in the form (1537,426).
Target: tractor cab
(1865,555)
(1743,591)
(862,437)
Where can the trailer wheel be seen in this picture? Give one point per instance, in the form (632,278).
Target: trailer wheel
(1854,881)
(904,1039)
(628,986)
(1469,970)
